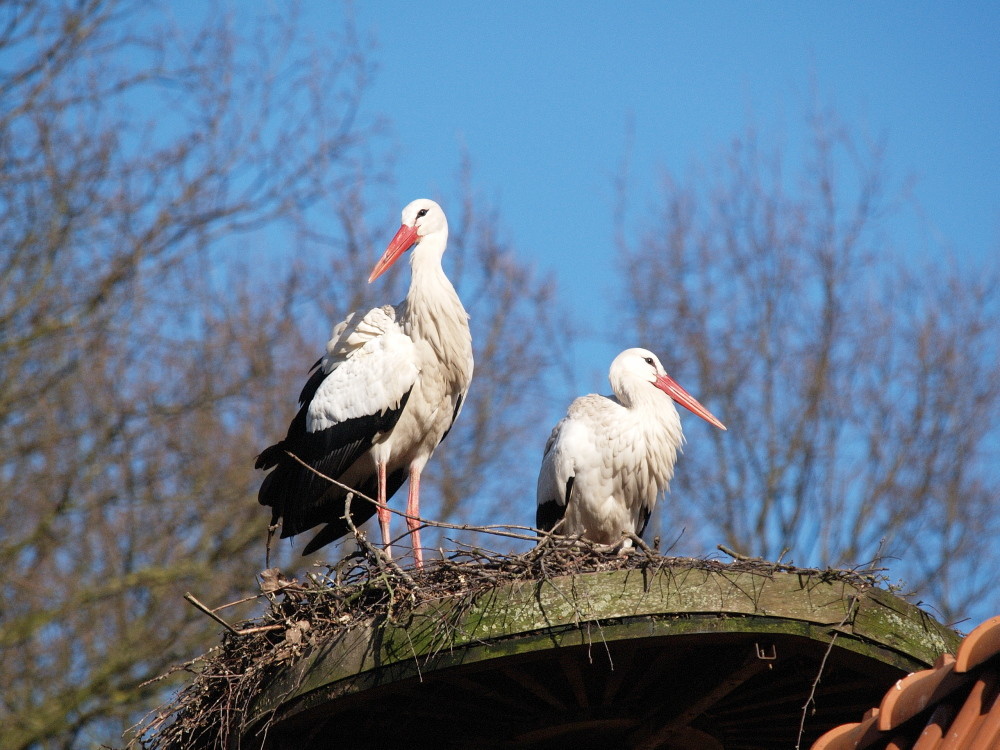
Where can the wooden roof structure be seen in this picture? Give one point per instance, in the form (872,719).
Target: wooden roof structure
(677,654)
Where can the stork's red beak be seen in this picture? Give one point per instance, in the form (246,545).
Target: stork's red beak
(402,242)
(670,386)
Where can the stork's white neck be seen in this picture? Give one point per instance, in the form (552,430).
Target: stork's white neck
(633,393)
(653,413)
(425,258)
(432,310)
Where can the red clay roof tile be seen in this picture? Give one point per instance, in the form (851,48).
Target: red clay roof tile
(979,645)
(959,696)
(912,694)
(856,735)
(933,732)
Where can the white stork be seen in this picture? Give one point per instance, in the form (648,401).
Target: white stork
(609,458)
(380,401)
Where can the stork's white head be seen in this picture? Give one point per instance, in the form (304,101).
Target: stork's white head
(421,218)
(634,367)
(640,364)
(426,216)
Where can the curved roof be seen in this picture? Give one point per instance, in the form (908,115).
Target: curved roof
(669,656)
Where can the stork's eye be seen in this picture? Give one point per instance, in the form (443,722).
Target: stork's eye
(648,361)
(421,213)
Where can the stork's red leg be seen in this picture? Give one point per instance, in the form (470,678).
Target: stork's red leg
(413,513)
(383,511)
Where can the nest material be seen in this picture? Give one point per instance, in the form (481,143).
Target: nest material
(364,588)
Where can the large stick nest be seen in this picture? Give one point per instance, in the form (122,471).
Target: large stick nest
(366,588)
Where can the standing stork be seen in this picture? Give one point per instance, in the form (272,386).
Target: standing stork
(379,402)
(609,458)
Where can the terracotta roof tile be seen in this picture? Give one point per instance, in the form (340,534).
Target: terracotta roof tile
(979,645)
(955,704)
(912,694)
(933,731)
(850,735)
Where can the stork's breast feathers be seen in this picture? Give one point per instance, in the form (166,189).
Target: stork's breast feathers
(370,368)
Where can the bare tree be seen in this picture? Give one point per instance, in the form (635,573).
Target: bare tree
(862,399)
(138,359)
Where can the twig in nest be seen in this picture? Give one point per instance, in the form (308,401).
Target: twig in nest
(637,541)
(547,539)
(235,631)
(198,605)
(656,542)
(734,554)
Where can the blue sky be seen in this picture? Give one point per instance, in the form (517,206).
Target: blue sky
(540,95)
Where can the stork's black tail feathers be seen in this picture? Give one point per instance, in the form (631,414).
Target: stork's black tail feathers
(361,511)
(301,499)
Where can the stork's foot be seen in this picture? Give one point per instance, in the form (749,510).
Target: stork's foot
(622,547)
(625,545)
